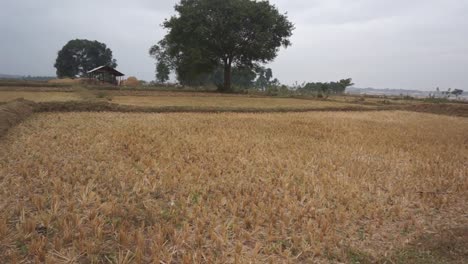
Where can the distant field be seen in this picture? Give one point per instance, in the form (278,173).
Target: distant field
(6,96)
(190,101)
(168,99)
(231,188)
(225,102)
(372,100)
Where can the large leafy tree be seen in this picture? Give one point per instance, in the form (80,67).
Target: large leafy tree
(241,77)
(80,55)
(206,34)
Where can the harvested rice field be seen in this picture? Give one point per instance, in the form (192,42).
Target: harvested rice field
(192,101)
(324,187)
(6,96)
(227,102)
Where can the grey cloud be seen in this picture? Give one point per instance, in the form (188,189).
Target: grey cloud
(416,44)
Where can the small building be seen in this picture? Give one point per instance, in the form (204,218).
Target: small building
(106,74)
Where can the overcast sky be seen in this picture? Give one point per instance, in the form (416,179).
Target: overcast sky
(409,44)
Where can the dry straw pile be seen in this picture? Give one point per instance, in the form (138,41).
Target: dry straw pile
(131,82)
(227,188)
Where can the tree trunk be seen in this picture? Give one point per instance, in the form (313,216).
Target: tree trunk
(227,75)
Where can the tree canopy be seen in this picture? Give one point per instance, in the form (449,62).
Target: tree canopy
(80,55)
(207,34)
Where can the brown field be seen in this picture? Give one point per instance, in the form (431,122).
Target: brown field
(231,188)
(177,101)
(373,100)
(6,96)
(224,102)
(65,81)
(174,99)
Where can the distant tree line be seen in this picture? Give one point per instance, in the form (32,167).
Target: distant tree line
(27,78)
(446,94)
(325,89)
(454,92)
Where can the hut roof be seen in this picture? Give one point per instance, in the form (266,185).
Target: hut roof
(106,69)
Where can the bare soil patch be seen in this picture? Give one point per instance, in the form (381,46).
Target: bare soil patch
(448,246)
(442,109)
(13,113)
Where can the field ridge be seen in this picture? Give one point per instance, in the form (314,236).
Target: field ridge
(12,113)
